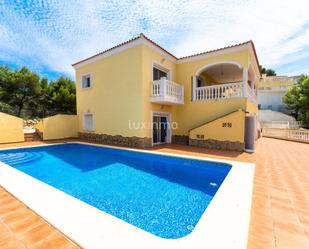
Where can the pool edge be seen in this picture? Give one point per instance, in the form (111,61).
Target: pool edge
(226,196)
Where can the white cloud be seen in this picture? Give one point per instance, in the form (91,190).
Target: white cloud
(51,35)
(268,23)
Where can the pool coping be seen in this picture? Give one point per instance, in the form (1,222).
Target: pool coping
(224,223)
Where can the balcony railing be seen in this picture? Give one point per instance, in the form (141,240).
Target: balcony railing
(251,94)
(165,91)
(225,91)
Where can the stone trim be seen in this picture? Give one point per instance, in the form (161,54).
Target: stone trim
(118,140)
(180,139)
(218,145)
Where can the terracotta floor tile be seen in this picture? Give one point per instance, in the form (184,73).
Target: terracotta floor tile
(10,208)
(71,246)
(286,240)
(7,200)
(4,236)
(11,243)
(54,241)
(37,234)
(18,215)
(4,194)
(26,224)
(291,228)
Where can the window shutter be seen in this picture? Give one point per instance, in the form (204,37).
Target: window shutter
(88,122)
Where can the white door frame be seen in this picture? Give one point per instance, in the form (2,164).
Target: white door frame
(168,115)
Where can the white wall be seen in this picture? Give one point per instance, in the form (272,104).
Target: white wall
(273,99)
(276,118)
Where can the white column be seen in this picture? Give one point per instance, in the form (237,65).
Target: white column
(194,85)
(245,81)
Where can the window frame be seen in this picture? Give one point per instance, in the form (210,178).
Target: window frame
(81,81)
(162,68)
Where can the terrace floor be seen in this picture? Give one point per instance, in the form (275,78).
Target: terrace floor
(280,208)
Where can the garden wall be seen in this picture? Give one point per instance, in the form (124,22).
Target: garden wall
(59,127)
(11,129)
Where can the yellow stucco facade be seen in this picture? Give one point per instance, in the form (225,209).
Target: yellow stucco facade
(11,129)
(277,81)
(58,127)
(121,85)
(116,94)
(229,127)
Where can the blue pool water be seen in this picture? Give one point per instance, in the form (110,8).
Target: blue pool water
(163,195)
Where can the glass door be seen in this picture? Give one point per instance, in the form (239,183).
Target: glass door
(158,74)
(160,129)
(155,130)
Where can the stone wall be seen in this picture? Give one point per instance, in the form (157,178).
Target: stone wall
(180,139)
(138,142)
(218,145)
(118,140)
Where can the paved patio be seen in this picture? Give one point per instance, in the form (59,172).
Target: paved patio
(280,209)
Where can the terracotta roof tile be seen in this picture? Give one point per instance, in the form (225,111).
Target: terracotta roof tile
(157,45)
(215,50)
(107,50)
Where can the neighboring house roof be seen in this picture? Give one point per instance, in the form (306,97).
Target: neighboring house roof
(142,36)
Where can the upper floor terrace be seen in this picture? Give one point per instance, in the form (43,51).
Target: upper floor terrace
(215,81)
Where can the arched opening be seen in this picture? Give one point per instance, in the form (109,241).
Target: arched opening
(224,79)
(219,73)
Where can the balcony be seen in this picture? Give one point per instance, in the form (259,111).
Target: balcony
(225,91)
(167,92)
(225,80)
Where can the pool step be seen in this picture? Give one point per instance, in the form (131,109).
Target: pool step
(29,137)
(19,158)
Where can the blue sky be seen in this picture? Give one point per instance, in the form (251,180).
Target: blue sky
(48,36)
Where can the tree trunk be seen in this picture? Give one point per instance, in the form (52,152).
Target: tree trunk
(20,107)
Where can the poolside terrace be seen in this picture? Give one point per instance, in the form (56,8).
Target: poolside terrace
(279,215)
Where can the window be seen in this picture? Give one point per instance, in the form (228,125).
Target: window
(158,74)
(86,81)
(88,124)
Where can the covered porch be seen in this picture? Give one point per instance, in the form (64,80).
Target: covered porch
(225,79)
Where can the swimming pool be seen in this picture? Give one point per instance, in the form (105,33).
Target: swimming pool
(163,195)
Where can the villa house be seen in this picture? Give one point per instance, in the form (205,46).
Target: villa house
(138,94)
(272,89)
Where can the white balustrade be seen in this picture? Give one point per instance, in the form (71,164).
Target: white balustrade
(289,134)
(167,91)
(300,135)
(222,91)
(225,91)
(251,94)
